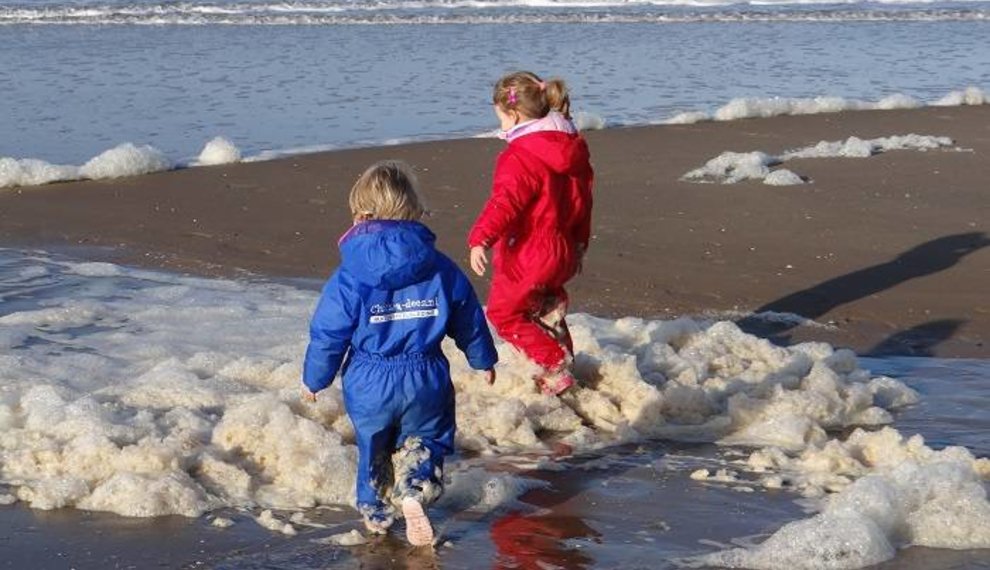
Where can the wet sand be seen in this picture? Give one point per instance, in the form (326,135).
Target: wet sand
(889,251)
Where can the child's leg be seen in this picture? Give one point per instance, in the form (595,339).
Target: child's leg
(375,438)
(426,432)
(427,435)
(372,406)
(513,309)
(552,317)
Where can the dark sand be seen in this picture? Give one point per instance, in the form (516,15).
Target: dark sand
(891,250)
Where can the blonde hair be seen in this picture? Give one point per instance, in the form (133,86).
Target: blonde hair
(386,191)
(525,92)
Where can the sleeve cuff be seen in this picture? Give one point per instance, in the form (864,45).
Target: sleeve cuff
(487,362)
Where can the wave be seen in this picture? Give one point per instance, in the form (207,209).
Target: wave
(434,12)
(765,107)
(132,160)
(126,159)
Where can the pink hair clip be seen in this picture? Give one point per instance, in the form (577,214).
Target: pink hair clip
(512,96)
(542,85)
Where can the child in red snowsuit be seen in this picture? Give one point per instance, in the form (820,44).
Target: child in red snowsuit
(538,220)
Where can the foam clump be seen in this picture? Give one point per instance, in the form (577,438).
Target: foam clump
(969,96)
(823,542)
(219,150)
(889,492)
(587,121)
(765,107)
(855,147)
(350,538)
(688,118)
(734,167)
(125,160)
(898,101)
(312,467)
(679,379)
(782,177)
(719,475)
(33,172)
(268,520)
(150,495)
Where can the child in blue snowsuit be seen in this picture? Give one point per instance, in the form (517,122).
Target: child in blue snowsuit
(380,320)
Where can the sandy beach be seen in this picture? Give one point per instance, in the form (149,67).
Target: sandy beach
(888,253)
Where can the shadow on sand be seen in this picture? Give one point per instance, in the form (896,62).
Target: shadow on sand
(925,259)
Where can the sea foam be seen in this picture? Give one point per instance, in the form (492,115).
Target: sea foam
(765,107)
(127,159)
(219,151)
(148,394)
(436,12)
(33,172)
(732,167)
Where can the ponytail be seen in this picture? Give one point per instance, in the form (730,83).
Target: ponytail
(557,96)
(526,93)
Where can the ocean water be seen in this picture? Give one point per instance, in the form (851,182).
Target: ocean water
(79,77)
(135,403)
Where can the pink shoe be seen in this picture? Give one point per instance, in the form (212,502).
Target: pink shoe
(419,531)
(555,383)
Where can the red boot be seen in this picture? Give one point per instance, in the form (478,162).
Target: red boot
(555,383)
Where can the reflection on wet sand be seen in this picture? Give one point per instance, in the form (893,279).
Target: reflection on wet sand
(539,541)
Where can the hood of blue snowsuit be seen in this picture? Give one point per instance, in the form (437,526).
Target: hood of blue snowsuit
(388,254)
(394,297)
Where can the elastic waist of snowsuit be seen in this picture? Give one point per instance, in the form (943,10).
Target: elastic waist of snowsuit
(404,359)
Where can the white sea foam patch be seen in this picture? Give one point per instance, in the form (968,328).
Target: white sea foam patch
(124,160)
(434,12)
(148,394)
(732,167)
(968,96)
(777,317)
(764,107)
(219,151)
(32,172)
(588,121)
(887,491)
(127,159)
(855,147)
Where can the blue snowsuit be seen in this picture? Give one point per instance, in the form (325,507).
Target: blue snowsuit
(387,308)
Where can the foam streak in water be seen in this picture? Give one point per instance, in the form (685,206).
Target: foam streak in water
(339,12)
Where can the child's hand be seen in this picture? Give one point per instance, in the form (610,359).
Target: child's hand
(479,259)
(308,396)
(490,376)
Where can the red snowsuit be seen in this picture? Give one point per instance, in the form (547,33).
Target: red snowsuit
(538,219)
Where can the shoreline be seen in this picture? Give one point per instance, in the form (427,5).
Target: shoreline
(871,247)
